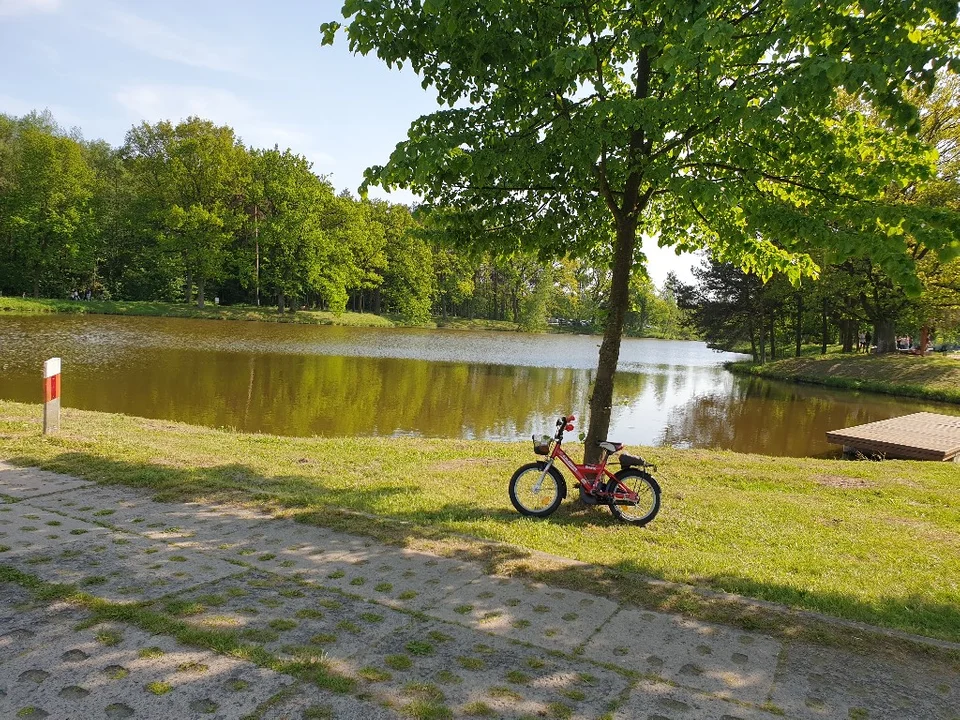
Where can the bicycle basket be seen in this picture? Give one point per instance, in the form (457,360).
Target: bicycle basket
(541,446)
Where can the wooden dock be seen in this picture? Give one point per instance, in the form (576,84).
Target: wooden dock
(920,436)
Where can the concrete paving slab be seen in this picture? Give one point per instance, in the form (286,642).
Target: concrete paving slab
(723,661)
(123,567)
(14,601)
(116,671)
(813,683)
(136,512)
(661,701)
(288,618)
(544,616)
(302,539)
(475,674)
(306,701)
(34,625)
(27,529)
(19,483)
(393,576)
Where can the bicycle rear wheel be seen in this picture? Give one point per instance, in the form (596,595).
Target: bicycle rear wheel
(624,486)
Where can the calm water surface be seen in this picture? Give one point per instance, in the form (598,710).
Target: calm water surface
(304,380)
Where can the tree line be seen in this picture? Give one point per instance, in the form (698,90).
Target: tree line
(857,294)
(733,310)
(186,212)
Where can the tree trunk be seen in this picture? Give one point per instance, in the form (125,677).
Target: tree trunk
(799,328)
(201,282)
(188,288)
(884,336)
(36,289)
(825,328)
(281,303)
(763,337)
(924,339)
(601,399)
(377,301)
(773,336)
(849,330)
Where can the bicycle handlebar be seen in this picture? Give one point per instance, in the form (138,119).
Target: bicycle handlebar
(564,423)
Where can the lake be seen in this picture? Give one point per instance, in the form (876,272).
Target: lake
(306,380)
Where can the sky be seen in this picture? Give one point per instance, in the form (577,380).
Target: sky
(103,66)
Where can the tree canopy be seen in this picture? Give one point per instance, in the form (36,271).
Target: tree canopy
(571,125)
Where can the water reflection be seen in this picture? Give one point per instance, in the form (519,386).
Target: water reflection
(300,380)
(784,418)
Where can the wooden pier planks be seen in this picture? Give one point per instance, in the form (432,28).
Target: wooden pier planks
(920,436)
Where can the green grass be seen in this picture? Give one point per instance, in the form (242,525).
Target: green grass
(210,312)
(159,688)
(263,313)
(874,542)
(457,323)
(933,377)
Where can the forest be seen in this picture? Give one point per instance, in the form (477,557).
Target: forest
(187,213)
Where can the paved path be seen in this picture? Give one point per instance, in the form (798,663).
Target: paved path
(421,636)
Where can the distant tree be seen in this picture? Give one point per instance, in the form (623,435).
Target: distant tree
(356,253)
(643,305)
(409,284)
(730,308)
(45,198)
(722,307)
(454,276)
(196,173)
(366,239)
(535,302)
(670,319)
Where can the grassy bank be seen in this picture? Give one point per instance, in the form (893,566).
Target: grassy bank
(933,377)
(29,306)
(875,542)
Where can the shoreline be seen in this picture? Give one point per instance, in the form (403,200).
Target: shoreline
(264,313)
(933,378)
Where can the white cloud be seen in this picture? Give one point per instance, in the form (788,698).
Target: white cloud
(162,42)
(177,102)
(27,7)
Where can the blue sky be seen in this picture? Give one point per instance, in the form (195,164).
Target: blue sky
(105,65)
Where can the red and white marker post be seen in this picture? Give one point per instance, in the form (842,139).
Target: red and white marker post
(51,396)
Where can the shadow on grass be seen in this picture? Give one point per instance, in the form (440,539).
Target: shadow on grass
(306,500)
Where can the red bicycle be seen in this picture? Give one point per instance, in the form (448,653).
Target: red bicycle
(538,488)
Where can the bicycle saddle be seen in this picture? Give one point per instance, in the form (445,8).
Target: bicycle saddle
(609,446)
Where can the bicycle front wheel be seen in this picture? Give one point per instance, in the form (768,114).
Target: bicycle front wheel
(532,497)
(634,497)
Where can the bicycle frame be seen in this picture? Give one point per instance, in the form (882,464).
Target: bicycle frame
(588,476)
